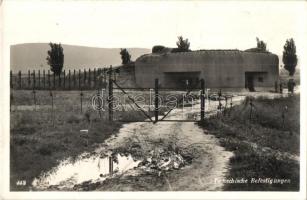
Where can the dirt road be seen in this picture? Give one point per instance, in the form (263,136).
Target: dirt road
(166,156)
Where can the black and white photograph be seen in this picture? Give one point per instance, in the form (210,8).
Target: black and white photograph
(128,99)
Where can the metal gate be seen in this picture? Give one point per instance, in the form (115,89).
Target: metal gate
(113,85)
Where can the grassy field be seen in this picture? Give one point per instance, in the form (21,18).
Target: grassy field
(263,146)
(40,139)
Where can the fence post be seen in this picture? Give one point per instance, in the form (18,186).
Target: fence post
(11,99)
(104,75)
(74,79)
(11,79)
(81,95)
(29,79)
(49,84)
(100,78)
(79,79)
(202,100)
(251,109)
(64,79)
(44,79)
(33,79)
(110,98)
(39,78)
(111,165)
(220,104)
(69,79)
(230,110)
(53,80)
(89,78)
(52,112)
(84,78)
(156,100)
(100,96)
(19,77)
(95,78)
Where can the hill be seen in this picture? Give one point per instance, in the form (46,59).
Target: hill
(33,56)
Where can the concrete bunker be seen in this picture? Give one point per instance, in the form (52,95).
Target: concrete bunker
(219,69)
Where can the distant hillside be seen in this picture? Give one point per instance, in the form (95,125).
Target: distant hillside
(33,56)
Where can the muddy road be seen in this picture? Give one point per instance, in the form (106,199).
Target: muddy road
(166,156)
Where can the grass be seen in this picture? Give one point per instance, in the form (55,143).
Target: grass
(39,140)
(263,146)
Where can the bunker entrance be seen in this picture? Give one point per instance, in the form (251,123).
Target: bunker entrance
(254,79)
(181,79)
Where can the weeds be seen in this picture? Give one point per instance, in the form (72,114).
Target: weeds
(262,143)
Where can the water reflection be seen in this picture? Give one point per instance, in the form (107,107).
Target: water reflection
(93,168)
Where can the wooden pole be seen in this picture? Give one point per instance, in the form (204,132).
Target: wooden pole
(44,79)
(202,100)
(110,165)
(74,78)
(89,78)
(33,79)
(104,75)
(79,79)
(95,86)
(29,79)
(59,81)
(39,78)
(69,79)
(156,100)
(251,109)
(64,80)
(110,98)
(11,79)
(49,84)
(84,78)
(19,77)
(53,80)
(81,96)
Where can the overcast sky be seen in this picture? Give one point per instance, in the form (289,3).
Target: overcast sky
(208,25)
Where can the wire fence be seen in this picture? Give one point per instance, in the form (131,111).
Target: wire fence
(67,80)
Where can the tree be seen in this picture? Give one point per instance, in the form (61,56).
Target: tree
(183,45)
(157,48)
(55,58)
(126,57)
(289,57)
(261,45)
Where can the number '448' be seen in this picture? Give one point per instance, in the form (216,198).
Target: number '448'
(21,182)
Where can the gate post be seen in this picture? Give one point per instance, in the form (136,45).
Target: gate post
(202,100)
(110,98)
(156,100)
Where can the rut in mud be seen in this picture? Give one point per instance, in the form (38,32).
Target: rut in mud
(166,156)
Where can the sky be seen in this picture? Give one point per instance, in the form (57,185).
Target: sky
(126,24)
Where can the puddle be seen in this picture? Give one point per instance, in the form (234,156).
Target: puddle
(93,169)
